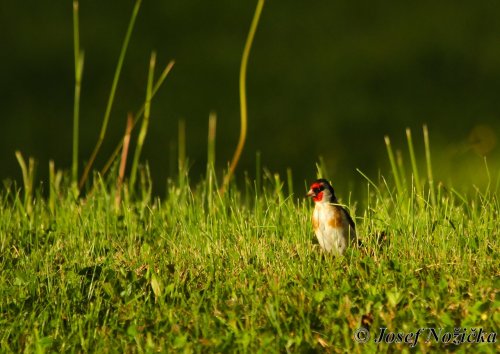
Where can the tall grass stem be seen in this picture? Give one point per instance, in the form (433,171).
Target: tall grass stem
(212,126)
(52,186)
(243,94)
(138,115)
(321,169)
(114,85)
(289,178)
(79,58)
(429,165)
(76,116)
(181,150)
(414,166)
(123,161)
(145,121)
(258,173)
(394,167)
(28,172)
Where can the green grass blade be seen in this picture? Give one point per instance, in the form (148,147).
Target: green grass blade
(138,116)
(258,172)
(28,172)
(414,167)
(145,121)
(289,178)
(52,187)
(394,167)
(321,169)
(243,94)
(76,32)
(401,167)
(111,98)
(76,117)
(79,58)
(429,165)
(181,150)
(368,180)
(210,174)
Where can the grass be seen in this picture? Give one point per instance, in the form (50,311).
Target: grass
(242,272)
(243,94)
(107,267)
(114,86)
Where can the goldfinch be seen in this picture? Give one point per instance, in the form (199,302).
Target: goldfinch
(332,224)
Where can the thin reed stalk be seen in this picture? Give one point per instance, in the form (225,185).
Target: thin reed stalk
(414,167)
(243,95)
(258,173)
(79,59)
(123,161)
(321,170)
(145,121)
(212,125)
(401,167)
(28,172)
(138,115)
(109,106)
(429,165)
(394,167)
(181,150)
(289,178)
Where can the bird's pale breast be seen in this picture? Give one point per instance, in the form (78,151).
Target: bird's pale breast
(331,227)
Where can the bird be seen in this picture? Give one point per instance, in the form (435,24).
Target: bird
(331,222)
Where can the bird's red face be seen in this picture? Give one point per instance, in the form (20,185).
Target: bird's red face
(316,191)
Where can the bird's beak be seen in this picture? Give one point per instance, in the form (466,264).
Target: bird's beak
(310,193)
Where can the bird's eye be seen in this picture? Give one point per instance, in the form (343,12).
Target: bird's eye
(318,189)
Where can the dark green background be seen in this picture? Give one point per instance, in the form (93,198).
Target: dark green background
(325,78)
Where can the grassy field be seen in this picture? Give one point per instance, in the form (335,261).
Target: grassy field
(107,267)
(200,271)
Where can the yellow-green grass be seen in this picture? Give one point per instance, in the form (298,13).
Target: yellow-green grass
(241,271)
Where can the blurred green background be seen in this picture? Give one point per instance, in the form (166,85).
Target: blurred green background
(327,78)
